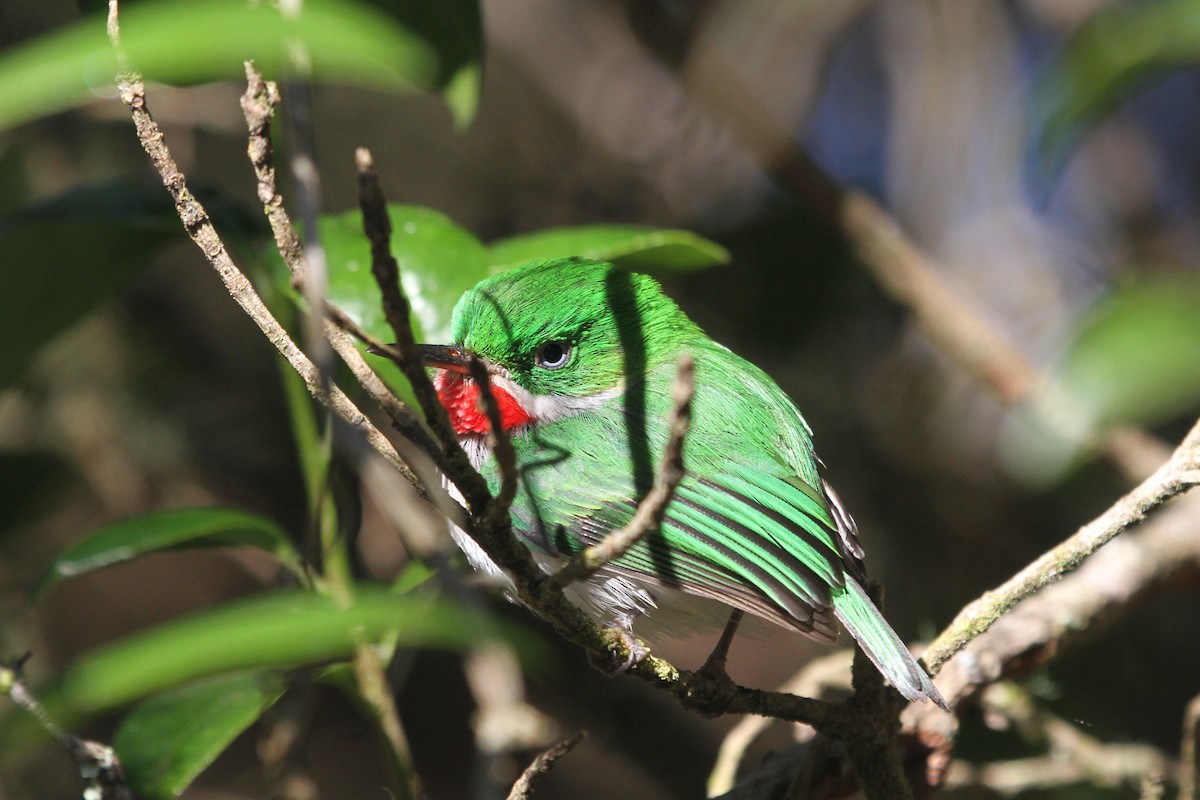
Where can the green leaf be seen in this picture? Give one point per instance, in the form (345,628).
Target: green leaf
(194,41)
(632,246)
(438,262)
(455,29)
(1109,56)
(170,530)
(284,629)
(1135,358)
(166,741)
(65,256)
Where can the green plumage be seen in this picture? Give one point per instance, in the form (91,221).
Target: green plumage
(751,525)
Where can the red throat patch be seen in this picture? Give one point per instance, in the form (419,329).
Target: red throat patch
(460,396)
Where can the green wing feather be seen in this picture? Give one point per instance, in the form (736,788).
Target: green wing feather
(750,526)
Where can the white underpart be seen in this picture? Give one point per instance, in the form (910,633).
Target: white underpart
(607,598)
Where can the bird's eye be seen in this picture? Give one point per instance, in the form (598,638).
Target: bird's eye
(553,355)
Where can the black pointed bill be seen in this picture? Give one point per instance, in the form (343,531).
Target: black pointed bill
(446,356)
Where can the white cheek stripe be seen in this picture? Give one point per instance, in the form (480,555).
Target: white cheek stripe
(553,407)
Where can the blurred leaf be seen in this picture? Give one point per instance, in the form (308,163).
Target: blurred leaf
(195,41)
(1108,57)
(170,530)
(166,741)
(632,246)
(455,29)
(280,630)
(414,574)
(1135,358)
(66,255)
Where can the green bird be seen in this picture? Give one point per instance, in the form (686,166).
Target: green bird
(582,357)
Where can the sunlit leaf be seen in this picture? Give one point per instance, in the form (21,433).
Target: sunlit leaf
(438,261)
(194,41)
(1134,359)
(1112,54)
(170,530)
(632,246)
(284,629)
(166,741)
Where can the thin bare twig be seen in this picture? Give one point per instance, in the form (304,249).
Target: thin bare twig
(499,442)
(378,228)
(258,106)
(1189,757)
(97,763)
(1180,473)
(200,228)
(820,674)
(529,779)
(653,508)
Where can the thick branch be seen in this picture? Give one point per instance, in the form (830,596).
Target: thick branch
(653,508)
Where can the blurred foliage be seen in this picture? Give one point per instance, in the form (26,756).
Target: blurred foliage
(170,530)
(196,41)
(67,255)
(1134,358)
(166,741)
(282,629)
(1108,58)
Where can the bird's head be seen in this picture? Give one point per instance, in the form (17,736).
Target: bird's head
(557,337)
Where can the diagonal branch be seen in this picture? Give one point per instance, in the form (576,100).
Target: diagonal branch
(1180,473)
(537,770)
(200,229)
(653,508)
(378,228)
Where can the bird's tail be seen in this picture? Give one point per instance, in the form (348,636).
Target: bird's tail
(881,644)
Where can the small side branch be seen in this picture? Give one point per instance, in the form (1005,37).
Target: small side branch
(1189,753)
(653,508)
(1180,473)
(378,228)
(529,779)
(97,763)
(498,440)
(199,227)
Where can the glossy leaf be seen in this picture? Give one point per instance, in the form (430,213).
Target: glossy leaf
(280,630)
(632,246)
(67,255)
(194,41)
(170,530)
(438,261)
(166,741)
(1134,359)
(1112,54)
